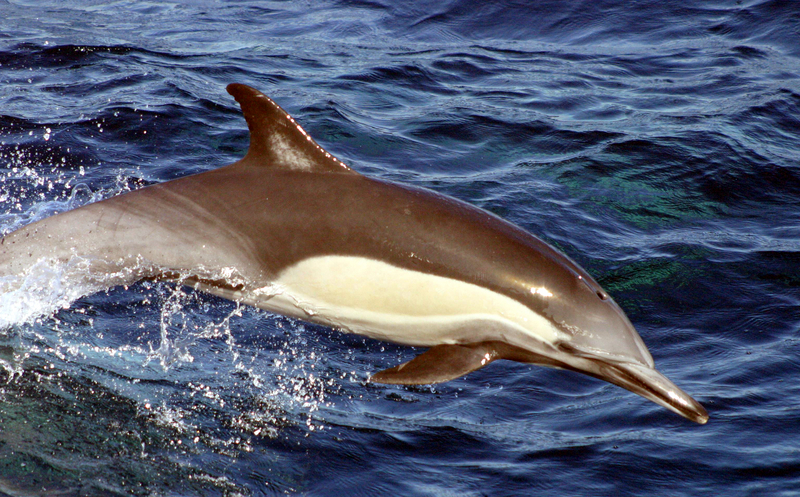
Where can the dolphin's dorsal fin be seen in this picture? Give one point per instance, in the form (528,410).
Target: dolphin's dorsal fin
(276,140)
(439,364)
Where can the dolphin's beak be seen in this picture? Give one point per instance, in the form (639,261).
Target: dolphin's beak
(652,385)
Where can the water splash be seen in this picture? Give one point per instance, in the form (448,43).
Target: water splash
(285,388)
(41,291)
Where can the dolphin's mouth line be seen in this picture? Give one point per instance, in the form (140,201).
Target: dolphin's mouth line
(636,378)
(651,385)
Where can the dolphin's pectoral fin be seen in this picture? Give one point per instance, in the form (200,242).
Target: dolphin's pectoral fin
(439,364)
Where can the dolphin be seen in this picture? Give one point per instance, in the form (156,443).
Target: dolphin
(291,229)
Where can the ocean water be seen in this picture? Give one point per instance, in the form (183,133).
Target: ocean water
(657,143)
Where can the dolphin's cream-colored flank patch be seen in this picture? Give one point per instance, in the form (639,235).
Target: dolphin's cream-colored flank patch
(402,305)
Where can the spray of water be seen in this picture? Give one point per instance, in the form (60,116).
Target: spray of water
(282,385)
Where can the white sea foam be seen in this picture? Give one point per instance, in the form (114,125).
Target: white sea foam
(41,291)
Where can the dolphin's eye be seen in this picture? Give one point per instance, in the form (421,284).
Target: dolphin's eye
(603,295)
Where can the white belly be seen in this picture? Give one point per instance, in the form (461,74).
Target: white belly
(382,301)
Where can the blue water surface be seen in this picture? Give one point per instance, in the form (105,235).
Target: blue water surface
(657,143)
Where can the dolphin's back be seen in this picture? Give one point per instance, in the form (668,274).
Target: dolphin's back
(138,234)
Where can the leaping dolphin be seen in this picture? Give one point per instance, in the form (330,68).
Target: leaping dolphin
(291,229)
